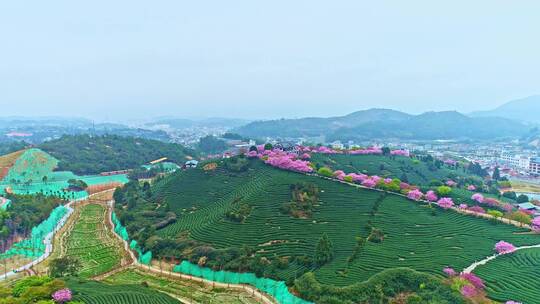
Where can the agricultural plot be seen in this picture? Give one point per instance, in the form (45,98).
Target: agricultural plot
(417,173)
(185,289)
(92,292)
(92,243)
(416,236)
(513,277)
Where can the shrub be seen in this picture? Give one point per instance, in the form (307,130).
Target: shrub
(495,213)
(325,171)
(444,190)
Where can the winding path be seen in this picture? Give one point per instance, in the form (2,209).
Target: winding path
(48,241)
(492,257)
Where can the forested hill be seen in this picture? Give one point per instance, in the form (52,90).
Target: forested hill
(315,126)
(433,126)
(381,123)
(85,154)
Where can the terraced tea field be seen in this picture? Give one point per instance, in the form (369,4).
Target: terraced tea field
(394,167)
(513,277)
(91,242)
(415,236)
(185,289)
(92,292)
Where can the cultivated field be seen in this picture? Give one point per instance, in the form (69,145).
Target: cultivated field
(417,173)
(415,236)
(91,242)
(184,289)
(513,276)
(92,292)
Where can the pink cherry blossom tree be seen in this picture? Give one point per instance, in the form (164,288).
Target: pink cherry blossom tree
(449,271)
(415,195)
(503,247)
(369,182)
(431,196)
(477,209)
(451,183)
(478,197)
(468,291)
(536,223)
(62,296)
(477,282)
(445,203)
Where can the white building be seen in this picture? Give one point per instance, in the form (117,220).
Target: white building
(516,161)
(337,145)
(534,166)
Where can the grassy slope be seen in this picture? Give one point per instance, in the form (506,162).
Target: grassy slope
(414,237)
(393,167)
(513,277)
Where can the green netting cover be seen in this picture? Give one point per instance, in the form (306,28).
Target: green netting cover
(33,173)
(34,246)
(144,257)
(277,289)
(32,165)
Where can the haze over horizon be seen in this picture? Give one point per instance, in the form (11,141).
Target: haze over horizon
(131,60)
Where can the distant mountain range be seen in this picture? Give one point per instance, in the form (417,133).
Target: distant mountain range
(525,110)
(383,123)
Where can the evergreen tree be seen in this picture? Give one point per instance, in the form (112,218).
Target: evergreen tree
(324,252)
(522,198)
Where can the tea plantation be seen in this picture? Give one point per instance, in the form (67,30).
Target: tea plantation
(92,292)
(92,243)
(513,276)
(417,236)
(417,172)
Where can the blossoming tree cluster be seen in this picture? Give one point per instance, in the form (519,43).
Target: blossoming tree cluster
(364,151)
(503,247)
(468,284)
(62,296)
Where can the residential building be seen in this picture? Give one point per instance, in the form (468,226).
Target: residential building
(534,166)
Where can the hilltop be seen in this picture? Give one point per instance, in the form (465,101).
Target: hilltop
(86,154)
(525,109)
(382,123)
(315,126)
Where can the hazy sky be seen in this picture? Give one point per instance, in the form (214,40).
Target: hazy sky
(264,59)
